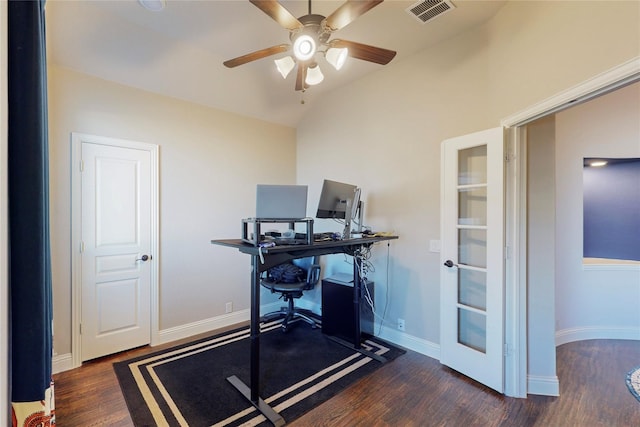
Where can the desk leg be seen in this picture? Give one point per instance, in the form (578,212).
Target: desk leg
(357,295)
(252,393)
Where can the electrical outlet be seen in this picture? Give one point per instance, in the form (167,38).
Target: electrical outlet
(401,324)
(228,307)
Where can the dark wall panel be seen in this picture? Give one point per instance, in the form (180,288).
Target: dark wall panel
(612,211)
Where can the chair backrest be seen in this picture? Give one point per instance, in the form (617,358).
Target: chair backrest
(305,263)
(312,267)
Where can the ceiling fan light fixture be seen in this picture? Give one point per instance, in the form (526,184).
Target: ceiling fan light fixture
(314,75)
(153,5)
(309,35)
(285,65)
(336,56)
(304,47)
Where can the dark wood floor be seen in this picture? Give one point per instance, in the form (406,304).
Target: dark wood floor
(413,390)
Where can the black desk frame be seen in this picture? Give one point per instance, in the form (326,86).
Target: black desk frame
(277,255)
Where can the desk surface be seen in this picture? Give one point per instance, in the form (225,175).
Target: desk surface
(249,248)
(279,254)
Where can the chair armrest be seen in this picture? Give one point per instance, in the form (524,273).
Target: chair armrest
(313,274)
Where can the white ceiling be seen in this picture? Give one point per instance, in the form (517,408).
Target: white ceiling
(179,52)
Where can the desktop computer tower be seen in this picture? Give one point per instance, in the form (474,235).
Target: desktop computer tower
(338,311)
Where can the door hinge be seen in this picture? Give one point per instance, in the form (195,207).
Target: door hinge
(81,165)
(81,247)
(508,157)
(507,252)
(80,328)
(506,349)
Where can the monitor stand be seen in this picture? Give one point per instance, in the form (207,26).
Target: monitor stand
(346,233)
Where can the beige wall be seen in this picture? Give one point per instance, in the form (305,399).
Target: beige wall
(210,163)
(593,302)
(384,131)
(541,247)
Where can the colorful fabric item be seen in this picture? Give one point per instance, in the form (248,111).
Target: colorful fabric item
(35,414)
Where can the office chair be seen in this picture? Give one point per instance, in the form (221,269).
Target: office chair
(291,280)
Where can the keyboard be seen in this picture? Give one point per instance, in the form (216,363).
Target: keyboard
(286,242)
(324,237)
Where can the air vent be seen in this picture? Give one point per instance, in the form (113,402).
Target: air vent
(427,10)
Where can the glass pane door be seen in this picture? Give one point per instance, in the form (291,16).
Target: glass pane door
(472,248)
(472,256)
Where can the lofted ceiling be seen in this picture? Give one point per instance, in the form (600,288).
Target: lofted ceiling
(179,51)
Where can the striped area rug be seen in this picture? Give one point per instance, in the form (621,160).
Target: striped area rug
(187,386)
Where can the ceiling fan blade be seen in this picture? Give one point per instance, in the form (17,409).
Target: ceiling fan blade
(301,77)
(259,54)
(278,13)
(349,11)
(366,52)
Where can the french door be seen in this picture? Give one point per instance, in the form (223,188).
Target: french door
(472,256)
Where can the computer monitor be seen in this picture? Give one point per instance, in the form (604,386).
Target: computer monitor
(339,200)
(281,201)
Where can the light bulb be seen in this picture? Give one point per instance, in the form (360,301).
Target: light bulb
(304,47)
(598,164)
(314,75)
(285,65)
(336,56)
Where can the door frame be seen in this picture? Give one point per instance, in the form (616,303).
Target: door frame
(516,381)
(77,139)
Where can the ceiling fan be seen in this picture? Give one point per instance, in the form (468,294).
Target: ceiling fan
(309,35)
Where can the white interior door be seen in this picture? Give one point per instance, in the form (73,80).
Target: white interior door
(115,249)
(472,256)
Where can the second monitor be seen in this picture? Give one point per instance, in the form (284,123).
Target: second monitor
(339,200)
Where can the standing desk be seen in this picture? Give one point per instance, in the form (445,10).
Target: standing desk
(263,259)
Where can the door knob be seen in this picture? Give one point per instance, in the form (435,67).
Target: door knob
(449,263)
(144,258)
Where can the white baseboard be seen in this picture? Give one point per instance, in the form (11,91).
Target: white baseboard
(207,325)
(61,363)
(64,362)
(596,333)
(200,327)
(410,342)
(543,385)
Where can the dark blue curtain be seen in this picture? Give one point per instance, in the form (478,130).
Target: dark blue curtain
(28,175)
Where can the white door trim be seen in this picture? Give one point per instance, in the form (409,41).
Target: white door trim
(515,296)
(610,80)
(76,233)
(516,383)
